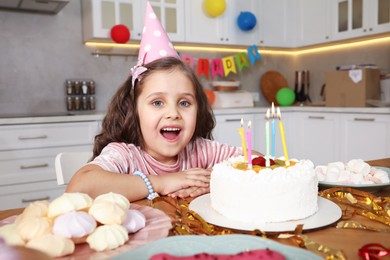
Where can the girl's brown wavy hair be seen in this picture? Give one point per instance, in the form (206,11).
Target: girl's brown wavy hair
(121,123)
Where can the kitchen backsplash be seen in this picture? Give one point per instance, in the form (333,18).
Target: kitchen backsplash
(40,52)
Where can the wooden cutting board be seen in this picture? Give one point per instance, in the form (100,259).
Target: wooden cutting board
(270,83)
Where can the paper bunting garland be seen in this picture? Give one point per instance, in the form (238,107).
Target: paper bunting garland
(224,66)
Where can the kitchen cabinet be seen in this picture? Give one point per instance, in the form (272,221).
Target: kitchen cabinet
(316,137)
(357,18)
(99,16)
(27,153)
(223,29)
(277,22)
(226,130)
(314,22)
(365,136)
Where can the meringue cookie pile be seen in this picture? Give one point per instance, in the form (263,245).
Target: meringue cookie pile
(356,171)
(104,223)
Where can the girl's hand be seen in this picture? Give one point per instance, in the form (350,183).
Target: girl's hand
(190,192)
(170,183)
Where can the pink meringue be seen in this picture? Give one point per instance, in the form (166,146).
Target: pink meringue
(74,224)
(135,220)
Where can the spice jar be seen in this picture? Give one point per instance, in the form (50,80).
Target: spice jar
(77,102)
(69,103)
(69,87)
(92,87)
(84,88)
(84,103)
(92,103)
(77,87)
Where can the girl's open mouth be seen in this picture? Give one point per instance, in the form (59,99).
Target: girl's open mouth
(170,133)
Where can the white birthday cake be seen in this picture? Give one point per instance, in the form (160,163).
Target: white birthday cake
(264,194)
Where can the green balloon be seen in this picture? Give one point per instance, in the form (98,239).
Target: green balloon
(285,97)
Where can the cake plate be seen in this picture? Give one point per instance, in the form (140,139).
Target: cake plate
(328,213)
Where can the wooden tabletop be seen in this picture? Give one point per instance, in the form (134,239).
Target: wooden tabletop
(349,241)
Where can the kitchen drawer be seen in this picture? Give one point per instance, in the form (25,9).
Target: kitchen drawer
(20,196)
(46,135)
(32,165)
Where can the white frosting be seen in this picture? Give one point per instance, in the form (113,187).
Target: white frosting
(355,171)
(68,202)
(10,235)
(53,245)
(74,224)
(34,227)
(117,198)
(107,237)
(107,212)
(275,195)
(135,220)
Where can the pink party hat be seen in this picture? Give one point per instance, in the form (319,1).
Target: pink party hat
(155,43)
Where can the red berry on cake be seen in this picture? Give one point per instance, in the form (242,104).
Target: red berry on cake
(260,161)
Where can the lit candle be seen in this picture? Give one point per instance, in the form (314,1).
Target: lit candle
(273,130)
(249,140)
(267,116)
(287,162)
(243,141)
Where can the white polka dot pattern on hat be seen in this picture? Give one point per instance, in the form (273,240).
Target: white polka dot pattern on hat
(157,33)
(163,53)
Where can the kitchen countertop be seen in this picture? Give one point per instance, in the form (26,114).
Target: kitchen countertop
(13,119)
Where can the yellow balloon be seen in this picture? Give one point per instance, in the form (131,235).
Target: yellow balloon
(215,7)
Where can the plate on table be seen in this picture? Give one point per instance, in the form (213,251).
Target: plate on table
(222,244)
(328,213)
(157,226)
(363,187)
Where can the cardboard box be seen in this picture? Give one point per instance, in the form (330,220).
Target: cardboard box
(352,88)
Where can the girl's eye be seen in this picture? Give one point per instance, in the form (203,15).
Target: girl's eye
(157,103)
(184,103)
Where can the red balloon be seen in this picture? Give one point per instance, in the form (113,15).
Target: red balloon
(120,33)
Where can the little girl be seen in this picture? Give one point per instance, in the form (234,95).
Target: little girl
(156,134)
(159,128)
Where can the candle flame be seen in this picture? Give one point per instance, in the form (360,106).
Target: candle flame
(242,122)
(249,124)
(273,110)
(279,115)
(267,115)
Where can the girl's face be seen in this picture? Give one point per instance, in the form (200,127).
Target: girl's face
(167,111)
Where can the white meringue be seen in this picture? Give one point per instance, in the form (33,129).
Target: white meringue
(53,245)
(34,209)
(74,224)
(10,235)
(68,202)
(107,212)
(117,198)
(33,227)
(107,237)
(135,220)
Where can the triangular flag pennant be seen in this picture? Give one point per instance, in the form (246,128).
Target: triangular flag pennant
(189,60)
(253,54)
(229,65)
(203,67)
(216,67)
(242,60)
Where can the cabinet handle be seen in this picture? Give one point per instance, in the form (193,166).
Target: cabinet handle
(364,119)
(233,120)
(43,165)
(32,137)
(32,200)
(316,117)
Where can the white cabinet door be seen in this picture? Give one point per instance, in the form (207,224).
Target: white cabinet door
(223,29)
(99,16)
(365,136)
(358,18)
(226,130)
(317,137)
(171,15)
(277,22)
(314,22)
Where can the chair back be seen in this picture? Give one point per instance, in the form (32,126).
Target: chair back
(67,163)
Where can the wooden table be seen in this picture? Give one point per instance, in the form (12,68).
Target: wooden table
(347,240)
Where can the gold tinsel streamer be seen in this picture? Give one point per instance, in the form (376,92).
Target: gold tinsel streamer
(360,203)
(188,222)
